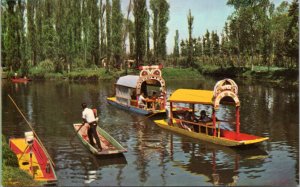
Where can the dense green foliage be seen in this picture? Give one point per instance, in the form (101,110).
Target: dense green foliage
(256,34)
(87,34)
(140,19)
(116,26)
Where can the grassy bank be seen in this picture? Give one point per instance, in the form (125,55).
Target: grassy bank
(272,74)
(11,174)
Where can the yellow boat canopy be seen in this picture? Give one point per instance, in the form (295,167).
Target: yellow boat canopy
(192,96)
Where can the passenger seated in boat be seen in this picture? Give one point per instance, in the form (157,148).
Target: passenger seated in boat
(15,76)
(191,117)
(186,117)
(203,117)
(157,100)
(142,101)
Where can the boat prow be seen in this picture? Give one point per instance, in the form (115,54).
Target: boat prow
(109,145)
(39,166)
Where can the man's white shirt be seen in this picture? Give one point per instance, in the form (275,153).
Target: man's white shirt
(88,114)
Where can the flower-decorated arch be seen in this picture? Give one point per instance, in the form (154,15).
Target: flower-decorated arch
(150,77)
(226,88)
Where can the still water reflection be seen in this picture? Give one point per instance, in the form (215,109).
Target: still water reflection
(155,156)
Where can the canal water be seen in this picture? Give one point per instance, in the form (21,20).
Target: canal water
(158,157)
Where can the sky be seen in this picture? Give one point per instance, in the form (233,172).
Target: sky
(208,15)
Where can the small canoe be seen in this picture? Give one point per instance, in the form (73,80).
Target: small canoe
(38,166)
(109,145)
(20,80)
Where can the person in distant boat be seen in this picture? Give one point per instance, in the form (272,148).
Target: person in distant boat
(203,117)
(15,76)
(142,100)
(88,116)
(156,100)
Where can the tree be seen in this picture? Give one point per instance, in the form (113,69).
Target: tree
(176,45)
(12,53)
(190,19)
(160,15)
(162,27)
(102,29)
(215,45)
(49,34)
(155,11)
(207,44)
(94,14)
(279,23)
(131,38)
(198,47)
(183,48)
(140,17)
(31,30)
(4,18)
(292,33)
(108,33)
(117,22)
(148,53)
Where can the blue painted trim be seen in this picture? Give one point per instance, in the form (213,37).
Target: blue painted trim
(130,108)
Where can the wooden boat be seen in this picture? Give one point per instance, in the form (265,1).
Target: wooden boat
(110,146)
(33,159)
(20,80)
(225,92)
(130,87)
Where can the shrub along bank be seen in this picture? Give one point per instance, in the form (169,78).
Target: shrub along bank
(272,74)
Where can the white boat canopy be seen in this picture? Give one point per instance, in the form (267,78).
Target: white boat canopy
(128,81)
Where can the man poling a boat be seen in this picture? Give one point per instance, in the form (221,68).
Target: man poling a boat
(89,117)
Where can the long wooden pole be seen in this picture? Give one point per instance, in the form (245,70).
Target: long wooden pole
(42,146)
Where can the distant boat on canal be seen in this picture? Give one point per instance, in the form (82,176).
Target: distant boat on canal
(130,87)
(20,80)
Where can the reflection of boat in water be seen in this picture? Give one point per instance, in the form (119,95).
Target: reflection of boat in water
(94,173)
(130,87)
(218,163)
(225,92)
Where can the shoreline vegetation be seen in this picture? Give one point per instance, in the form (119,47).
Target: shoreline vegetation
(276,75)
(260,73)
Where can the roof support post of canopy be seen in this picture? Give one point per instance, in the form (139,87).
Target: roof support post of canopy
(237,115)
(214,121)
(171,114)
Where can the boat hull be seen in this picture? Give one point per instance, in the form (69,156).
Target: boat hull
(109,145)
(42,169)
(112,101)
(20,80)
(230,139)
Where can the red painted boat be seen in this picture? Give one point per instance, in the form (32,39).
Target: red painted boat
(33,159)
(20,80)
